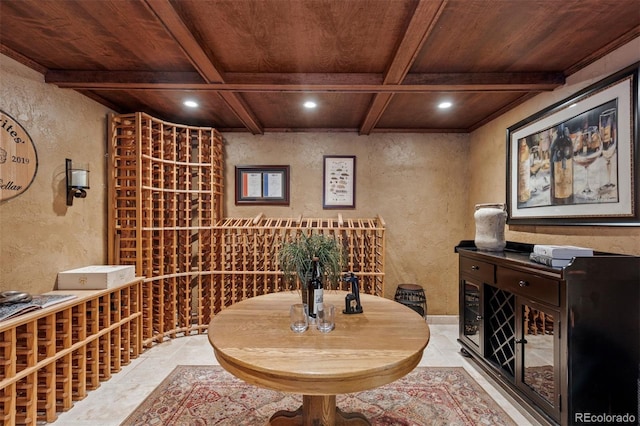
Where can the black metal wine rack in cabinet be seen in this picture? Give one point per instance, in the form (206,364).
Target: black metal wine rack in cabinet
(564,342)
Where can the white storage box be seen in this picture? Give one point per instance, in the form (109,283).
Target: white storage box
(96,277)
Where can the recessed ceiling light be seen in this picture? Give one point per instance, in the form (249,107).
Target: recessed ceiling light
(444,105)
(310,104)
(191,104)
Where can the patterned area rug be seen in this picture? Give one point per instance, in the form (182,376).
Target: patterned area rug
(208,395)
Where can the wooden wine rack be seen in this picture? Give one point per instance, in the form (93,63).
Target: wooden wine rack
(248,257)
(54,356)
(166,187)
(245,264)
(166,191)
(165,217)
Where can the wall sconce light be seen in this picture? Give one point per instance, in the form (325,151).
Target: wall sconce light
(77,181)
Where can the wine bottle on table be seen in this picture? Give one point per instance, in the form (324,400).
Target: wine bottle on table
(315,289)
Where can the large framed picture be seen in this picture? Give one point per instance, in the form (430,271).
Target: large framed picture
(576,162)
(262,185)
(339,186)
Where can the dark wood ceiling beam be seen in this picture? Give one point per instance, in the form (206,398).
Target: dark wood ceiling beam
(343,82)
(422,23)
(175,26)
(205,66)
(108,79)
(604,50)
(22,59)
(304,79)
(344,130)
(501,111)
(237,104)
(376,109)
(542,80)
(414,130)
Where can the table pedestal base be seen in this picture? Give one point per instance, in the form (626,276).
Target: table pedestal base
(318,410)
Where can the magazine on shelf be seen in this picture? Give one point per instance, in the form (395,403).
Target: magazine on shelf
(41,301)
(562,252)
(549,261)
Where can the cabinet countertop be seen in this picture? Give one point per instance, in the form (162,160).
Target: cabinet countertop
(517,255)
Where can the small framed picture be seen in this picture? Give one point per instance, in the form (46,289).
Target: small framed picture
(262,185)
(339,188)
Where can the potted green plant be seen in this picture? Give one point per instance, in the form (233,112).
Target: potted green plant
(296,259)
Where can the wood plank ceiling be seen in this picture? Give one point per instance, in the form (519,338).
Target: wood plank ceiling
(370,65)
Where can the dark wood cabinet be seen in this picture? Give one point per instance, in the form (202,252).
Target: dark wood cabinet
(565,342)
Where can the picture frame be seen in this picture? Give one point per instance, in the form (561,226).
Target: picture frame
(576,162)
(339,182)
(262,185)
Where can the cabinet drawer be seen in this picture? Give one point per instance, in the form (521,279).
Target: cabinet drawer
(482,271)
(528,285)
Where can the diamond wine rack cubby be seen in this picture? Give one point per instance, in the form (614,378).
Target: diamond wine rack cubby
(501,325)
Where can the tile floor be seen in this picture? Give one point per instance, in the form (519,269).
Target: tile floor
(115,399)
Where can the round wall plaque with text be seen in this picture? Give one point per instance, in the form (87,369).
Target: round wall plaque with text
(18,158)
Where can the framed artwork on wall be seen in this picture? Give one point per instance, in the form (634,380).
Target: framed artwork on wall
(576,162)
(339,185)
(262,185)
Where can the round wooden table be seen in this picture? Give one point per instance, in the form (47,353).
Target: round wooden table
(252,340)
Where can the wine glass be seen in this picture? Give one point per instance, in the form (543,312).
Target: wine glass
(586,149)
(608,133)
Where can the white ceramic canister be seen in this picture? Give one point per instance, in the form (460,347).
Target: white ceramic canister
(490,223)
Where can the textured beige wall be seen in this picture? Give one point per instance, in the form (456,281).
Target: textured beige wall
(39,234)
(488,158)
(415,182)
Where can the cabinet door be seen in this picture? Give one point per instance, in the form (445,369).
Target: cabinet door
(471,312)
(500,330)
(538,354)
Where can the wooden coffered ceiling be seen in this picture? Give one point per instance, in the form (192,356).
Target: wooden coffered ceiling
(371,65)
